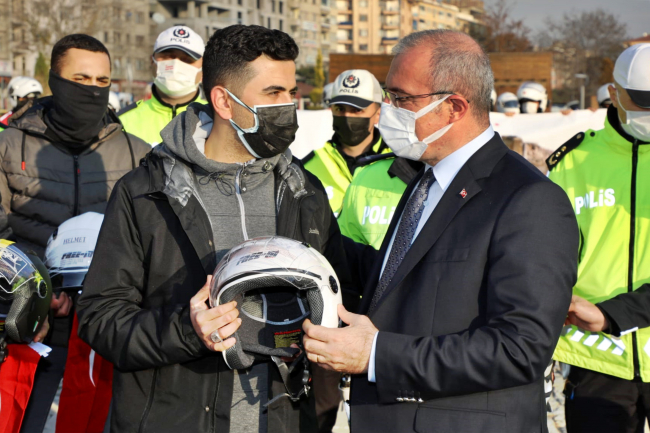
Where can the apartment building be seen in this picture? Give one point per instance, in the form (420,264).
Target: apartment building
(375,26)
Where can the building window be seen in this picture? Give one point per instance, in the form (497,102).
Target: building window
(363,18)
(239,2)
(128,39)
(118,37)
(239,18)
(105,37)
(363,33)
(268,22)
(139,41)
(363,47)
(280,25)
(139,17)
(448,15)
(415,24)
(280,7)
(273,6)
(127,16)
(258,4)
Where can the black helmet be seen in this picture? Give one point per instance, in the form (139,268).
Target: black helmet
(25,294)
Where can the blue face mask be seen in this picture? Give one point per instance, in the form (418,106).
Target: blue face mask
(274,130)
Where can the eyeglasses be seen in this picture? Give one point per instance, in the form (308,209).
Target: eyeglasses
(407,101)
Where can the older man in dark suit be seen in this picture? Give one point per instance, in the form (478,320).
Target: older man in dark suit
(467,296)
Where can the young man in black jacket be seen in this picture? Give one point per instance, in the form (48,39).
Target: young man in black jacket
(213,182)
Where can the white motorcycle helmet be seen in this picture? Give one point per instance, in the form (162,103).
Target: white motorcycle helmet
(531,93)
(327,93)
(507,103)
(114,101)
(602,95)
(23,87)
(277,283)
(70,250)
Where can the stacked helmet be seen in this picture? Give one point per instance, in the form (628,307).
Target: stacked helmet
(70,250)
(23,87)
(507,103)
(114,101)
(493,98)
(277,283)
(529,93)
(602,95)
(25,294)
(327,93)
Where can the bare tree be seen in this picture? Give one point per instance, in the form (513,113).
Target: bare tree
(502,32)
(585,43)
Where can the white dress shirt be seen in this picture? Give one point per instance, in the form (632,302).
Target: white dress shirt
(444,172)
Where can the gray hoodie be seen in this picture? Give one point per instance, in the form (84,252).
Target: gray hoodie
(239,200)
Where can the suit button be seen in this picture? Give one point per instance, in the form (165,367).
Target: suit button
(207,408)
(400,399)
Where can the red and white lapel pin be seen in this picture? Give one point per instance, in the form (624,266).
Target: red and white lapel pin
(463,193)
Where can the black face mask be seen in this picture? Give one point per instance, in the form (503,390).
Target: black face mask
(78,113)
(351,131)
(276,129)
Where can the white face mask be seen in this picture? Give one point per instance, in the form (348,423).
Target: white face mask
(397,128)
(638,122)
(176,78)
(529,107)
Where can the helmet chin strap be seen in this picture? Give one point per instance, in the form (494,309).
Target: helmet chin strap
(285,372)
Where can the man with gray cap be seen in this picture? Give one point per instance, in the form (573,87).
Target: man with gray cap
(355,101)
(178,57)
(606,174)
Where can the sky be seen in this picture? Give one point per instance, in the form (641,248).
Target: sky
(636,13)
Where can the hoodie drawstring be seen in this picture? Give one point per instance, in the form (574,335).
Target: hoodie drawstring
(22,152)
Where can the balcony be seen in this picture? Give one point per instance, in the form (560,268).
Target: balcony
(324,10)
(390,11)
(389,25)
(388,41)
(345,25)
(325,24)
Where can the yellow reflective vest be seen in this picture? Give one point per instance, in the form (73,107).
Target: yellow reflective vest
(145,119)
(606,174)
(331,169)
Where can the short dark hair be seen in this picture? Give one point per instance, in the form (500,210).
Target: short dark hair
(231,49)
(79,41)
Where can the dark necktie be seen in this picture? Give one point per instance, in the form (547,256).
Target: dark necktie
(404,237)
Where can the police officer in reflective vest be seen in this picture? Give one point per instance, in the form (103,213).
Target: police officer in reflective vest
(178,57)
(606,174)
(356,105)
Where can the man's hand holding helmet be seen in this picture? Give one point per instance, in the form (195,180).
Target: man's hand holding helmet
(217,323)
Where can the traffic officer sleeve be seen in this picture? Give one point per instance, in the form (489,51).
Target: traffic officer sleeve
(627,312)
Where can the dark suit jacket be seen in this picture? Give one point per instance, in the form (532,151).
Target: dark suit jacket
(472,316)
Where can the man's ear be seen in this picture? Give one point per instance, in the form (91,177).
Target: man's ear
(221,102)
(459,109)
(612,95)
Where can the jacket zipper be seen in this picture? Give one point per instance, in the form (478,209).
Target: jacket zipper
(242,210)
(76,185)
(145,415)
(630,268)
(173,111)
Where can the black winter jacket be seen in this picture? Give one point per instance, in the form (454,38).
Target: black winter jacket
(154,252)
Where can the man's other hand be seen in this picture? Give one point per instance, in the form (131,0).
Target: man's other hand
(61,304)
(586,315)
(221,321)
(346,350)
